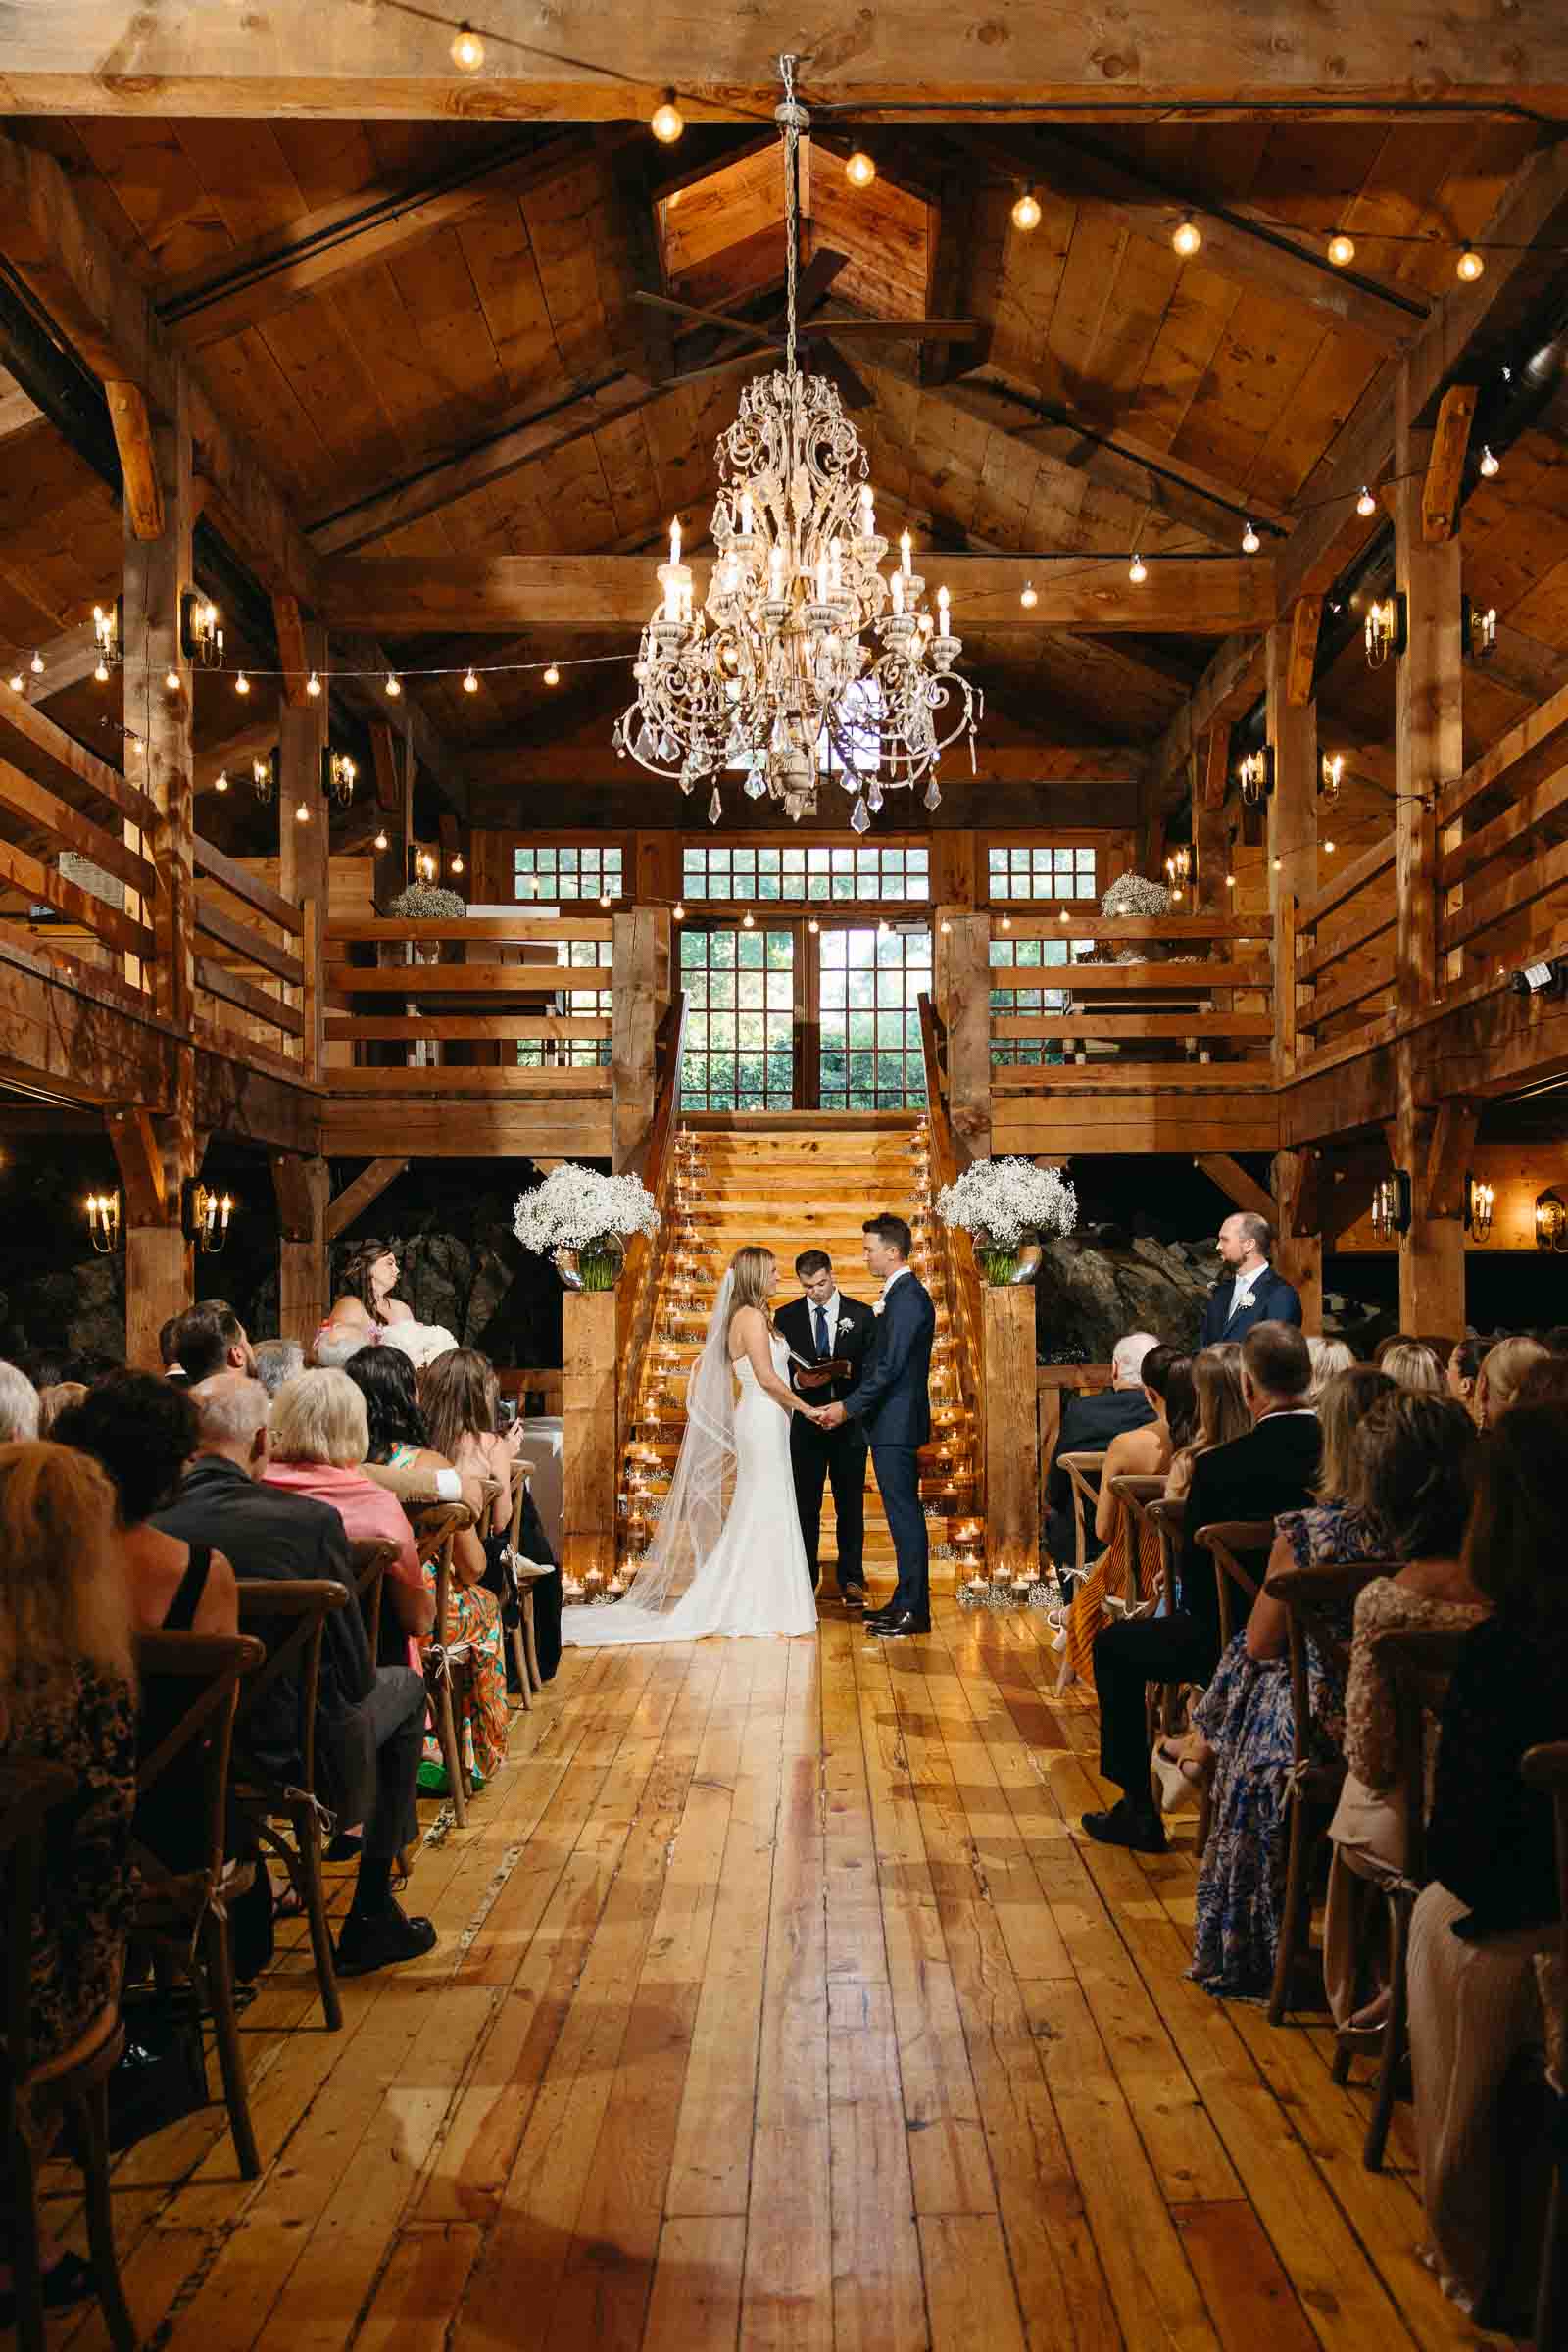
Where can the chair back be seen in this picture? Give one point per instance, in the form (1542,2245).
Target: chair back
(434,1534)
(369,1562)
(1139,1494)
(1312,1596)
(1081,1467)
(520,1495)
(29,1792)
(289,1616)
(1225,1539)
(210,1667)
(1546,1768)
(1418,1661)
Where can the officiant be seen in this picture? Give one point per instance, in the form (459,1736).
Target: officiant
(828,1338)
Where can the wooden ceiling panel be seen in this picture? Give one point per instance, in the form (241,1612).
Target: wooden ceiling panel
(252,393)
(328,161)
(1262,357)
(1146,282)
(884,229)
(565,219)
(244,173)
(1082,303)
(721,209)
(375,318)
(574,499)
(1185,350)
(463,378)
(1028,280)
(140,167)
(1335,377)
(630,476)
(499,256)
(335,384)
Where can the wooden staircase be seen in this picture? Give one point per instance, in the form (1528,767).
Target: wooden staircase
(790,1183)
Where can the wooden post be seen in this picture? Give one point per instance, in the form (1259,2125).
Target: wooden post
(158,1257)
(588,1385)
(1298,1221)
(1292,827)
(1429,715)
(302,1186)
(961,975)
(640,978)
(1011,1433)
(304,850)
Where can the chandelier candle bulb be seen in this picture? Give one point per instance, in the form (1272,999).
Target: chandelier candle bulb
(867,511)
(942,611)
(905,552)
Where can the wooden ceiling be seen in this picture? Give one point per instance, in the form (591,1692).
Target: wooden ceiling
(427,332)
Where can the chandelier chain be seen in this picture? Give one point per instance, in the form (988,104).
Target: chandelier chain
(792,209)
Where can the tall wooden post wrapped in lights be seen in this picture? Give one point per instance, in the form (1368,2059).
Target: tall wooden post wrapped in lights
(1011,1436)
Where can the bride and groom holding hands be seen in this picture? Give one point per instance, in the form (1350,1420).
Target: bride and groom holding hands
(774,1410)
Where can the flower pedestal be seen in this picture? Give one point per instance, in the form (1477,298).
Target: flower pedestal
(1012,1434)
(591,1455)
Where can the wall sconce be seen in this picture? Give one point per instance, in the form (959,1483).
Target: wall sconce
(103,1222)
(1179,869)
(206,1216)
(1388,628)
(201,632)
(263,776)
(1478,630)
(1330,779)
(338,775)
(1480,1199)
(1256,774)
(1552,1222)
(1391,1205)
(109,632)
(423,866)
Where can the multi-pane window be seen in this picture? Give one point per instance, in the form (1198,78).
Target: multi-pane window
(549,872)
(1018,956)
(798,871)
(868,995)
(1042,873)
(739,1052)
(591,1004)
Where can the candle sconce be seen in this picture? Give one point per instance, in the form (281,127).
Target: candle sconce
(1388,628)
(1478,1202)
(1391,1205)
(1255,775)
(1552,1222)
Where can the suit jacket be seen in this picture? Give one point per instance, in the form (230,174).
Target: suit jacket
(891,1400)
(1273,1302)
(856,1329)
(1088,1425)
(1256,1477)
(267,1532)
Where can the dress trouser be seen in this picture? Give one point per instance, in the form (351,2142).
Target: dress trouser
(836,1455)
(1128,1656)
(395,1712)
(898,1477)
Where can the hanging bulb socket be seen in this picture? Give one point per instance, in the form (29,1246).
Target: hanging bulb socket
(1490,465)
(1366,503)
(552,675)
(1186,239)
(1341,250)
(1026,212)
(1469,266)
(468,50)
(1138,570)
(667,122)
(861,170)
(1251,542)
(471,683)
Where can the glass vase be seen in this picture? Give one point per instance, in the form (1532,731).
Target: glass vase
(597,1266)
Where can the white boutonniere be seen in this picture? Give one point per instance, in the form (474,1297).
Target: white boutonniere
(878,1307)
(846,1323)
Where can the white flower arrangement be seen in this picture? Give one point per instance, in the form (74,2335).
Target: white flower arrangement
(575,1207)
(423,902)
(1135,894)
(1009,1201)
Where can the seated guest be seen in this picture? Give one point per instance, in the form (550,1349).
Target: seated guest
(1545,1383)
(365,1301)
(1270,1470)
(1464,1364)
(1250,1291)
(68,1680)
(1502,1368)
(369,1720)
(142,1429)
(1219,1412)
(18,1407)
(53,1400)
(1328,1357)
(1168,1381)
(318,1441)
(1415,1365)
(458,1394)
(1491,1900)
(277,1360)
(1414,1461)
(398,1439)
(210,1338)
(1088,1425)
(172,1367)
(1242,1739)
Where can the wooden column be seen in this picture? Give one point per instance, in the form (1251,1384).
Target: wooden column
(1011,1433)
(1429,715)
(961,976)
(304,850)
(157,1157)
(589,1466)
(1292,823)
(1298,1222)
(302,1186)
(1210,831)
(640,969)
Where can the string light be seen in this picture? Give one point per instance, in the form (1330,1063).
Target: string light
(470,684)
(748,922)
(1341,250)
(552,675)
(1469,266)
(242,684)
(393,685)
(15,681)
(1029,596)
(382,841)
(1230,881)
(1251,542)
(456,865)
(1137,570)
(172,681)
(101,673)
(679,912)
(302,814)
(468,50)
(1188,237)
(220,783)
(667,122)
(1366,503)
(946,926)
(312,684)
(1328,848)
(1007,922)
(861,170)
(36,665)
(813,926)
(1489,464)
(1026,212)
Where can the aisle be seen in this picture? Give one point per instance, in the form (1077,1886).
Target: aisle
(776,2006)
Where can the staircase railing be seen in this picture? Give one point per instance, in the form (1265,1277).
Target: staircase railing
(646,1254)
(949,1242)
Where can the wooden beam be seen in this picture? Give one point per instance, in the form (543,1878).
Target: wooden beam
(139,1158)
(1292,828)
(1448,1154)
(1306,619)
(384,755)
(291,658)
(17,411)
(1232,682)
(1216,765)
(1234,1183)
(301,1185)
(144,500)
(356,1198)
(1445,477)
(233,756)
(488,594)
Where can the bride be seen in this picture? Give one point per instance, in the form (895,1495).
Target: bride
(728,1556)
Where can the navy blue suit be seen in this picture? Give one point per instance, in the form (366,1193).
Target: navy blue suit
(1273,1302)
(891,1401)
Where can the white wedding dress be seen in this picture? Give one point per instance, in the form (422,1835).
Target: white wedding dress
(737,1570)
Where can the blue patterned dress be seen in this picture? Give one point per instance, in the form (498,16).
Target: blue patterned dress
(1247,1718)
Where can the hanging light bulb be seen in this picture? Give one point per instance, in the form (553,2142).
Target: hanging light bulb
(748,921)
(861,170)
(667,122)
(470,684)
(1469,266)
(1251,542)
(172,681)
(242,684)
(15,681)
(220,781)
(1026,212)
(1328,848)
(945,927)
(468,50)
(1489,464)
(1007,922)
(813,926)
(456,865)
(1137,570)
(382,841)
(1366,503)
(1187,237)
(313,685)
(552,675)
(1341,250)
(302,814)
(1028,595)
(36,665)
(679,911)
(394,685)
(1230,881)
(101,673)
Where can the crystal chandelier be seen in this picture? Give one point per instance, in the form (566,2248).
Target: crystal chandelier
(801,639)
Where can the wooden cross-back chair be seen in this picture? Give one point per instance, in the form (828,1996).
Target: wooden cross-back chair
(184,1915)
(436,1529)
(1226,1541)
(1082,1468)
(1419,1662)
(35,2092)
(290,1616)
(526,1574)
(1314,1597)
(1156,1524)
(368,1563)
(1546,1768)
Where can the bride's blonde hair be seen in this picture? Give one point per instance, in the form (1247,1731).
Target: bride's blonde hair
(752,1272)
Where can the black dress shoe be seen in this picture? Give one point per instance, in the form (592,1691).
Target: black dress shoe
(1140,1829)
(855,1596)
(381,1940)
(894,1627)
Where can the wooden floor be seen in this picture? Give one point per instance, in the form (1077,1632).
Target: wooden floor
(778,2004)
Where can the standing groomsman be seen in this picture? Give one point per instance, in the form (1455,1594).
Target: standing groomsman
(824,1326)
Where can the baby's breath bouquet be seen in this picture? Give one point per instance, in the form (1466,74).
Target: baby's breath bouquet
(1005,1203)
(579,1219)
(1135,894)
(424,903)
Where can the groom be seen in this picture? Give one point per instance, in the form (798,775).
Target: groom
(890,1402)
(823,1327)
